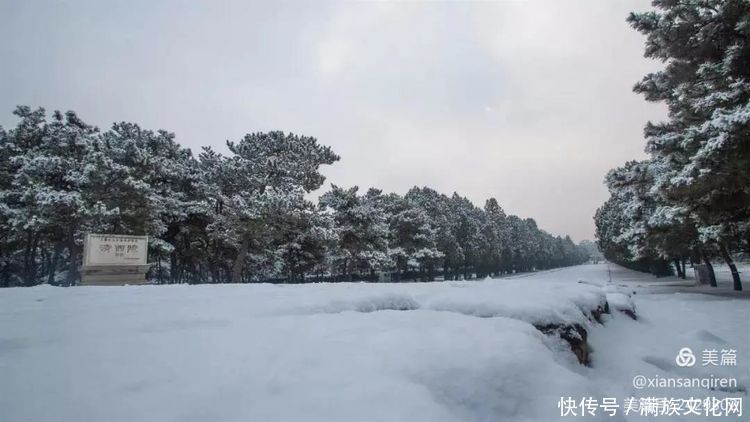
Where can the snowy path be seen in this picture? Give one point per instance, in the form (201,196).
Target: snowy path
(453,351)
(673,314)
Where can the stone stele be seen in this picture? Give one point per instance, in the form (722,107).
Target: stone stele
(114,260)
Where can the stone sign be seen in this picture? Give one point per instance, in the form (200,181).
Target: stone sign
(110,259)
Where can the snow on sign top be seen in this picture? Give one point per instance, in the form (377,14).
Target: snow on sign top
(113,249)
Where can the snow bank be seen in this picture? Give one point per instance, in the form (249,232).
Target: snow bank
(325,352)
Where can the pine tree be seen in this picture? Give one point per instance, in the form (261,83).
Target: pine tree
(361,229)
(242,217)
(265,180)
(438,208)
(704,147)
(413,238)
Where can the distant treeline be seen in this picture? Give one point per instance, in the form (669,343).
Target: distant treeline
(690,201)
(237,218)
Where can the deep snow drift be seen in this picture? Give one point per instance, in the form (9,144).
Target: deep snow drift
(343,352)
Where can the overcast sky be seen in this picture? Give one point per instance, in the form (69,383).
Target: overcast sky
(526,101)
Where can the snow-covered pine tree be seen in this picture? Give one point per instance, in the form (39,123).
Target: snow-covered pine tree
(497,231)
(439,209)
(704,147)
(241,217)
(361,230)
(264,182)
(155,192)
(468,222)
(6,239)
(412,239)
(44,203)
(629,230)
(304,242)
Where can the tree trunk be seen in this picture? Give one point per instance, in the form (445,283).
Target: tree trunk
(159,278)
(684,275)
(347,271)
(711,274)
(732,267)
(53,264)
(677,267)
(239,262)
(72,276)
(174,274)
(46,260)
(214,273)
(29,260)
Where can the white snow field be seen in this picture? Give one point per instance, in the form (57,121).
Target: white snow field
(452,351)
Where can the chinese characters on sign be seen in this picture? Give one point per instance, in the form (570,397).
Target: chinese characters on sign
(119,250)
(102,249)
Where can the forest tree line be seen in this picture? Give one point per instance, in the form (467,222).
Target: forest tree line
(690,200)
(241,217)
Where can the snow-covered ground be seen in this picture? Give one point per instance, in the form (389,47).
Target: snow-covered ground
(453,351)
(673,314)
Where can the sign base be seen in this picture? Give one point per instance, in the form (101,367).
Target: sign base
(113,275)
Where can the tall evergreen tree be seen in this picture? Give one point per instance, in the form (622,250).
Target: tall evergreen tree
(242,217)
(270,173)
(704,147)
(361,229)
